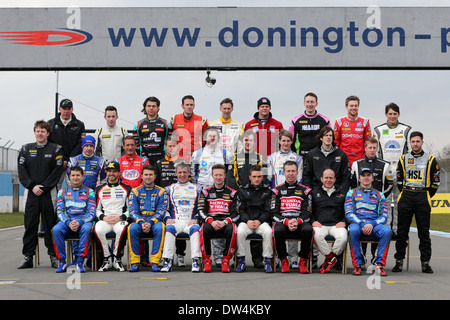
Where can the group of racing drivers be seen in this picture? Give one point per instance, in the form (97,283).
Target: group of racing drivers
(218,183)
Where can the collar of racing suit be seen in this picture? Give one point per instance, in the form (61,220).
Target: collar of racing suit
(111,185)
(171,159)
(225,121)
(417,154)
(364,189)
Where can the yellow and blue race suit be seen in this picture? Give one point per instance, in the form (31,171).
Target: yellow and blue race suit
(147,204)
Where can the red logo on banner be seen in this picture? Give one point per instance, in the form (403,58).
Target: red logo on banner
(66,37)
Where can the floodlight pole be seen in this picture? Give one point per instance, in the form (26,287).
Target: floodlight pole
(57,94)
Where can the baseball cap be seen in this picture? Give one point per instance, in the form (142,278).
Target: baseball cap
(113,165)
(88,140)
(262,101)
(66,103)
(365,170)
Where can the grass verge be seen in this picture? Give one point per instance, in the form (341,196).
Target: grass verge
(13,219)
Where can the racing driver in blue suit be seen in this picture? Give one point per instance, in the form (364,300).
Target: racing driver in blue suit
(75,208)
(367,212)
(147,205)
(92,165)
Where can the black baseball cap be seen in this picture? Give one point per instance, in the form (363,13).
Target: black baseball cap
(66,103)
(113,165)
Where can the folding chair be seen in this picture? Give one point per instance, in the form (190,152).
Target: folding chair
(256,237)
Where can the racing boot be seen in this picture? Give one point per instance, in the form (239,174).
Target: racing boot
(241,267)
(62,267)
(285,265)
(426,268)
(268,265)
(107,264)
(303,266)
(167,265)
(80,265)
(54,262)
(225,265)
(27,263)
(380,270)
(195,265)
(154,267)
(207,264)
(328,264)
(134,267)
(118,265)
(398,266)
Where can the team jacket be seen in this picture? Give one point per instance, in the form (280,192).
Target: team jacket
(69,136)
(218,204)
(350,135)
(152,135)
(328,207)
(112,200)
(166,171)
(148,204)
(202,161)
(365,206)
(382,174)
(131,168)
(183,201)
(268,130)
(230,131)
(40,165)
(418,172)
(393,142)
(304,129)
(275,164)
(76,204)
(315,162)
(291,201)
(239,170)
(109,142)
(190,132)
(93,167)
(254,203)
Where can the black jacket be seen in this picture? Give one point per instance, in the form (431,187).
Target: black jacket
(315,162)
(254,203)
(40,165)
(69,137)
(328,209)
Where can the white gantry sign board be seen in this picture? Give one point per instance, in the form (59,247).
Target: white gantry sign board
(77,38)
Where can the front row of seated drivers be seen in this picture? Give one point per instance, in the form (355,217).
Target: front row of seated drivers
(290,210)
